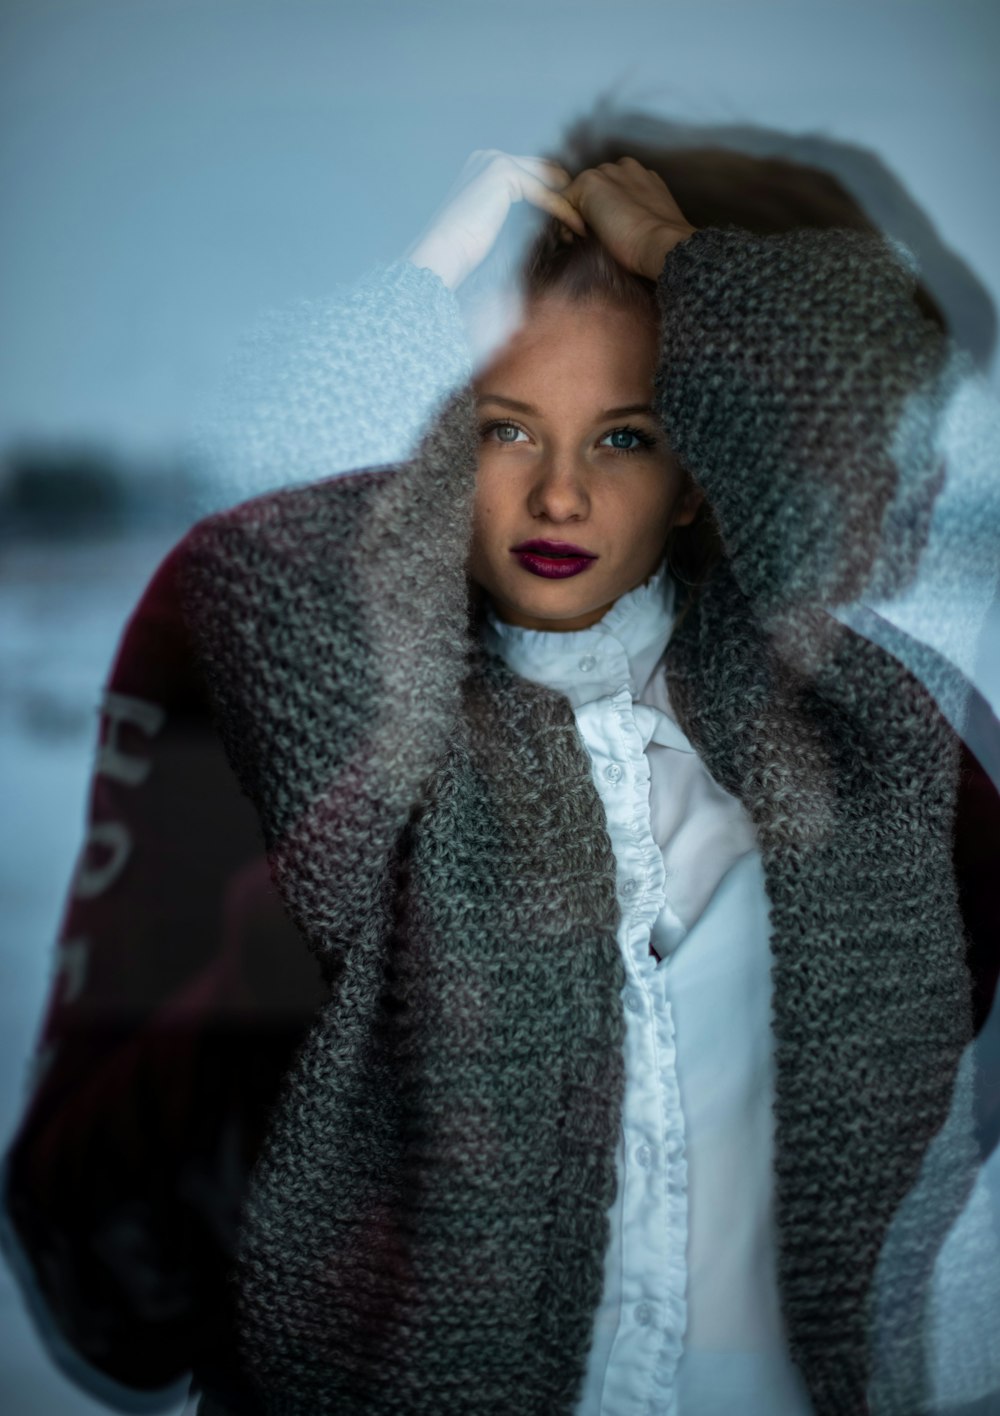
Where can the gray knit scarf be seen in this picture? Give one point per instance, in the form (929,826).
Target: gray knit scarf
(426,1224)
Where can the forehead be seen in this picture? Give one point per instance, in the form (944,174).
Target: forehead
(582,342)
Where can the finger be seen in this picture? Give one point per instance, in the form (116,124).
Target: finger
(555,203)
(630,167)
(589,180)
(580,194)
(548,171)
(614,170)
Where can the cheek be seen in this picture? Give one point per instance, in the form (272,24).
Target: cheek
(647,509)
(668,496)
(493,499)
(481,515)
(486,519)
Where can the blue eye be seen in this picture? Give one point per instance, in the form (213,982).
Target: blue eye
(500,424)
(642,441)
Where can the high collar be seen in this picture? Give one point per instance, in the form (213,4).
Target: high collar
(623,647)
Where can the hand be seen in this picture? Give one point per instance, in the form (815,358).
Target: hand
(465,228)
(631,212)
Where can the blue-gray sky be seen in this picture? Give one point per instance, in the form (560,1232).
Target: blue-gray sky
(168,167)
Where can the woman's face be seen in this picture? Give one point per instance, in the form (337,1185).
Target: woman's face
(572,456)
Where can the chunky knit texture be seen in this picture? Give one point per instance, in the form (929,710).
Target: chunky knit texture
(307,393)
(426,1224)
(814,440)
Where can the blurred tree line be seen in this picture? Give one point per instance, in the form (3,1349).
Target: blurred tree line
(83,489)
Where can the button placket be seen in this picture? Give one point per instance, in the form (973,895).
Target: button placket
(633,1000)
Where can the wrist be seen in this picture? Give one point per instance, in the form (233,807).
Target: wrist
(661,244)
(428,256)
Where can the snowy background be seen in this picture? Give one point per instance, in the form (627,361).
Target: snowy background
(168,169)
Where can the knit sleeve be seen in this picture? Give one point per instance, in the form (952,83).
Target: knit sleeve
(331,623)
(815,404)
(327,385)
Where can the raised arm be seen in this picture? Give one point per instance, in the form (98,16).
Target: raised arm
(355,379)
(333,609)
(846,445)
(806,391)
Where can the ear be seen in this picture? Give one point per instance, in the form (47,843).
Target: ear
(686,507)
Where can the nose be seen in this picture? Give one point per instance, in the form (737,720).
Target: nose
(559,492)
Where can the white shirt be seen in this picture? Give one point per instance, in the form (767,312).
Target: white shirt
(689,1322)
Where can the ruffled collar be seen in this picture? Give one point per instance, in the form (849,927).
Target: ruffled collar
(623,648)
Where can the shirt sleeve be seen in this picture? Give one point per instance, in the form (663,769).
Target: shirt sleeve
(179,989)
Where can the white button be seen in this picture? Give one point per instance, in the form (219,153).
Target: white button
(644,1155)
(632,1001)
(613,772)
(587,663)
(629,887)
(643,1314)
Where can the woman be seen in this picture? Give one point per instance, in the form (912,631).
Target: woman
(601,856)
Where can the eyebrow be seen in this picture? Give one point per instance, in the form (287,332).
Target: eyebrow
(520,407)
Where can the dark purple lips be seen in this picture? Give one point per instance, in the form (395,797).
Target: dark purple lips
(555,560)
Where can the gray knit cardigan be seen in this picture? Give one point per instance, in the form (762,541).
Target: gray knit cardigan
(425,1227)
